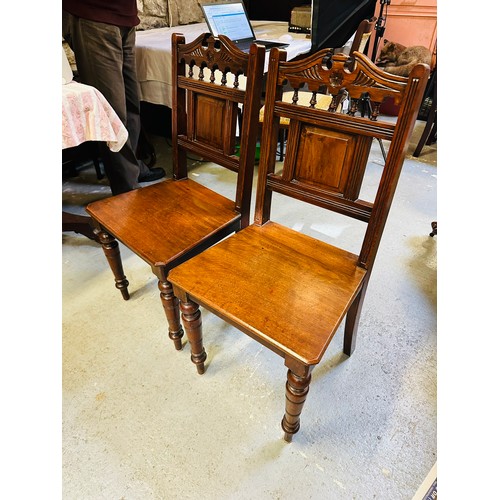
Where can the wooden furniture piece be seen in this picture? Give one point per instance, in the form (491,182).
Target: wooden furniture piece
(429,134)
(168,222)
(87,151)
(361,39)
(283,288)
(359,44)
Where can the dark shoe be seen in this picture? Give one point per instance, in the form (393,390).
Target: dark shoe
(153,175)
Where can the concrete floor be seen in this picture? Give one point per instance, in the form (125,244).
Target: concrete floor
(139,423)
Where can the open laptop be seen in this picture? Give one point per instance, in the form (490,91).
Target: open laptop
(229,18)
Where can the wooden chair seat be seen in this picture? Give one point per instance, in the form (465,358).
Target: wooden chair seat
(188,219)
(313,274)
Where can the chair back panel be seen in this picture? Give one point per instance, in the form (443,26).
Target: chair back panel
(327,150)
(212,79)
(214,123)
(345,154)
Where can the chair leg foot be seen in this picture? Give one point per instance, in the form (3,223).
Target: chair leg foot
(112,253)
(171,307)
(191,317)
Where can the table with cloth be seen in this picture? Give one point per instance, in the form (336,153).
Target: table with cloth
(87,116)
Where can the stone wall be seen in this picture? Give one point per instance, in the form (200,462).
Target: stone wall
(160,13)
(153,14)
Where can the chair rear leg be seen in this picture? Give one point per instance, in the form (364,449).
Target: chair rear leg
(352,321)
(171,307)
(191,317)
(112,253)
(297,388)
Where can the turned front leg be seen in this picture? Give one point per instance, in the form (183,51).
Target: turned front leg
(171,307)
(191,317)
(297,387)
(112,253)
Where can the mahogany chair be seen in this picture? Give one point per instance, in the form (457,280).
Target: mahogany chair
(168,222)
(429,134)
(285,289)
(361,39)
(359,44)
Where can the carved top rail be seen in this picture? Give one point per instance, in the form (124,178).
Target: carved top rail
(213,54)
(328,73)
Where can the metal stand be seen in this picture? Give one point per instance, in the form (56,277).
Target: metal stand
(380,27)
(365,108)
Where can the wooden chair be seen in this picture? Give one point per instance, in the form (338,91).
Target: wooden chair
(168,222)
(361,39)
(359,44)
(429,134)
(285,289)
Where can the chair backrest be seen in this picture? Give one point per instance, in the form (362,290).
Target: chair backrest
(327,151)
(207,90)
(361,38)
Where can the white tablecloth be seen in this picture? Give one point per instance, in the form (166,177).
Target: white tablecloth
(154,54)
(88,116)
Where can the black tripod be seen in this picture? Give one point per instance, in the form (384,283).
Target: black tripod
(365,108)
(380,26)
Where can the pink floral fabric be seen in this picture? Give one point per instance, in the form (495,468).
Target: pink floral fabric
(87,116)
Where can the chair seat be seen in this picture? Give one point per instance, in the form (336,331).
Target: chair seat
(181,216)
(286,267)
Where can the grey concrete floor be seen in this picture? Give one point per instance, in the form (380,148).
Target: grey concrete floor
(138,422)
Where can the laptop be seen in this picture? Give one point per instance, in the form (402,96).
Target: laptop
(229,18)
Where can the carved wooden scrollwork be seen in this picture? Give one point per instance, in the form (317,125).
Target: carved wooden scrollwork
(328,73)
(336,78)
(205,52)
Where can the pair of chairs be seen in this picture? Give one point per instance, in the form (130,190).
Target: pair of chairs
(283,288)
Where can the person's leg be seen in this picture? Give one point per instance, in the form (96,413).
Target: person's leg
(99,59)
(131,85)
(132,98)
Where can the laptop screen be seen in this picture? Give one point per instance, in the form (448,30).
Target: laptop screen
(229,19)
